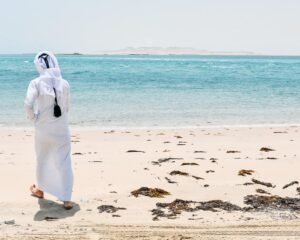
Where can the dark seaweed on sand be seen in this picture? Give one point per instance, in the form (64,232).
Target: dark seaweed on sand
(266,149)
(163,160)
(256,203)
(150,192)
(245,172)
(267,184)
(109,208)
(172,209)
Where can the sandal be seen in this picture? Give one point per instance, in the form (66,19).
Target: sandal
(35,192)
(68,205)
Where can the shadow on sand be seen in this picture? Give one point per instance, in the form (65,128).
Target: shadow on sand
(50,210)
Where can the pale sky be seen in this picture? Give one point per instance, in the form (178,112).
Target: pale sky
(90,26)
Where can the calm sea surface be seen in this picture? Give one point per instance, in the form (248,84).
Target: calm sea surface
(164,91)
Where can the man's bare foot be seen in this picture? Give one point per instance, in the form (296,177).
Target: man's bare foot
(68,205)
(36,192)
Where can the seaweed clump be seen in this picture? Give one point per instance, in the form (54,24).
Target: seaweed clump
(172,209)
(150,192)
(266,149)
(109,209)
(245,172)
(176,172)
(274,202)
(266,184)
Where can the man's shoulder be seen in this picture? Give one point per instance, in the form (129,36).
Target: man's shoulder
(34,82)
(65,83)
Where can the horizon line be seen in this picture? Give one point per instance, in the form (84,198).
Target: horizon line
(155,54)
(156,50)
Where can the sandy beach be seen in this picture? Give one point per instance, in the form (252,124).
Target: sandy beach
(201,168)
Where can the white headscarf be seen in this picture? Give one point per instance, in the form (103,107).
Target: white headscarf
(49,77)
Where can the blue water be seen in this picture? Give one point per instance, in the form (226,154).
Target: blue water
(172,91)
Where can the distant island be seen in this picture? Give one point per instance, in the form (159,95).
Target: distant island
(75,53)
(162,51)
(170,51)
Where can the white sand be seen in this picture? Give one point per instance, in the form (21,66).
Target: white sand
(111,181)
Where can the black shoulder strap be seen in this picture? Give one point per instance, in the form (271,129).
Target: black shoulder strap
(55,96)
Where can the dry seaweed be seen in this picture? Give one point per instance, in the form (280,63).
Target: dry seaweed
(290,184)
(170,181)
(264,203)
(176,172)
(191,163)
(266,149)
(232,151)
(171,210)
(210,171)
(150,192)
(197,177)
(77,153)
(255,203)
(199,151)
(248,183)
(162,160)
(160,213)
(262,183)
(177,136)
(262,191)
(182,143)
(135,151)
(245,172)
(214,205)
(109,208)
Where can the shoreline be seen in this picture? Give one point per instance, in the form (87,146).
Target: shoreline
(204,55)
(76,127)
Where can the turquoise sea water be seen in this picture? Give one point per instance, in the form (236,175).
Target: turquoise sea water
(167,91)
